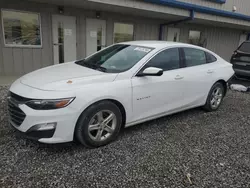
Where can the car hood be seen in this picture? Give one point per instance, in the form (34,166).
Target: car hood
(65,76)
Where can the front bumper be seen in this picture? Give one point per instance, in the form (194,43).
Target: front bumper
(65,120)
(36,134)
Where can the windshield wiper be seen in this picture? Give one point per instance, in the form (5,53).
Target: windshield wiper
(91,65)
(95,66)
(100,68)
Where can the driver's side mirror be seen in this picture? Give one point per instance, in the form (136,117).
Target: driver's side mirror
(151,71)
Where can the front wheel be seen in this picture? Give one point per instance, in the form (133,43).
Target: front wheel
(215,97)
(99,124)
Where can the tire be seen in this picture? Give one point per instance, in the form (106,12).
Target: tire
(103,130)
(212,105)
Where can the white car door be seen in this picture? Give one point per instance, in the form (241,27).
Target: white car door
(198,76)
(153,95)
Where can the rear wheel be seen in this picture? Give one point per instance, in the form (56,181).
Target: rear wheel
(215,97)
(99,124)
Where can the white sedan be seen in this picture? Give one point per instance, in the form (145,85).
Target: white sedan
(123,85)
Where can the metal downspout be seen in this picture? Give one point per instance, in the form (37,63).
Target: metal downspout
(191,17)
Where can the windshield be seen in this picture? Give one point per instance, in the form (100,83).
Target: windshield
(116,58)
(245,47)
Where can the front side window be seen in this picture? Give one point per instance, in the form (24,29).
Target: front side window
(115,59)
(21,28)
(123,32)
(166,60)
(194,57)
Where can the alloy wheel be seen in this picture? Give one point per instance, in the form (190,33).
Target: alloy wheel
(216,97)
(102,125)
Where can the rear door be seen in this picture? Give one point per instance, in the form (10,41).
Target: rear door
(199,76)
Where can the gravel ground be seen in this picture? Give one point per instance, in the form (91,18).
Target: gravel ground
(213,148)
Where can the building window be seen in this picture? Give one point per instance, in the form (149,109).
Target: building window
(197,38)
(123,32)
(21,28)
(194,37)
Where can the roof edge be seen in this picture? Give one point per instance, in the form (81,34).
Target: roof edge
(200,9)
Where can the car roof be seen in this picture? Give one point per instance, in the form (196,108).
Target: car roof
(158,44)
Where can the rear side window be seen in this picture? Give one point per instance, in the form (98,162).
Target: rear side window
(210,58)
(194,57)
(245,47)
(166,60)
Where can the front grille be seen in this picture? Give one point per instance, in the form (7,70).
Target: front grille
(16,115)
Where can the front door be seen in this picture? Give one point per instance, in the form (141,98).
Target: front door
(64,38)
(173,34)
(153,95)
(95,35)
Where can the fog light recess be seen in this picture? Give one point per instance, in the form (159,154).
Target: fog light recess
(44,127)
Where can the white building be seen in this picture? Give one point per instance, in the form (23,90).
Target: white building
(39,33)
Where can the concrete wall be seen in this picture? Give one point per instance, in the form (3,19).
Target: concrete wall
(242,8)
(223,41)
(18,61)
(242,5)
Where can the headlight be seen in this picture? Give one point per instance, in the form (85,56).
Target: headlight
(49,104)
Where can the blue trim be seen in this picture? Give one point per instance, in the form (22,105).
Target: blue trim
(218,1)
(191,17)
(201,9)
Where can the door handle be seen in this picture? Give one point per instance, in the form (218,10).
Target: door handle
(178,77)
(210,71)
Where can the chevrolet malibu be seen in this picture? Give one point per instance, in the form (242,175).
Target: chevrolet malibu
(90,100)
